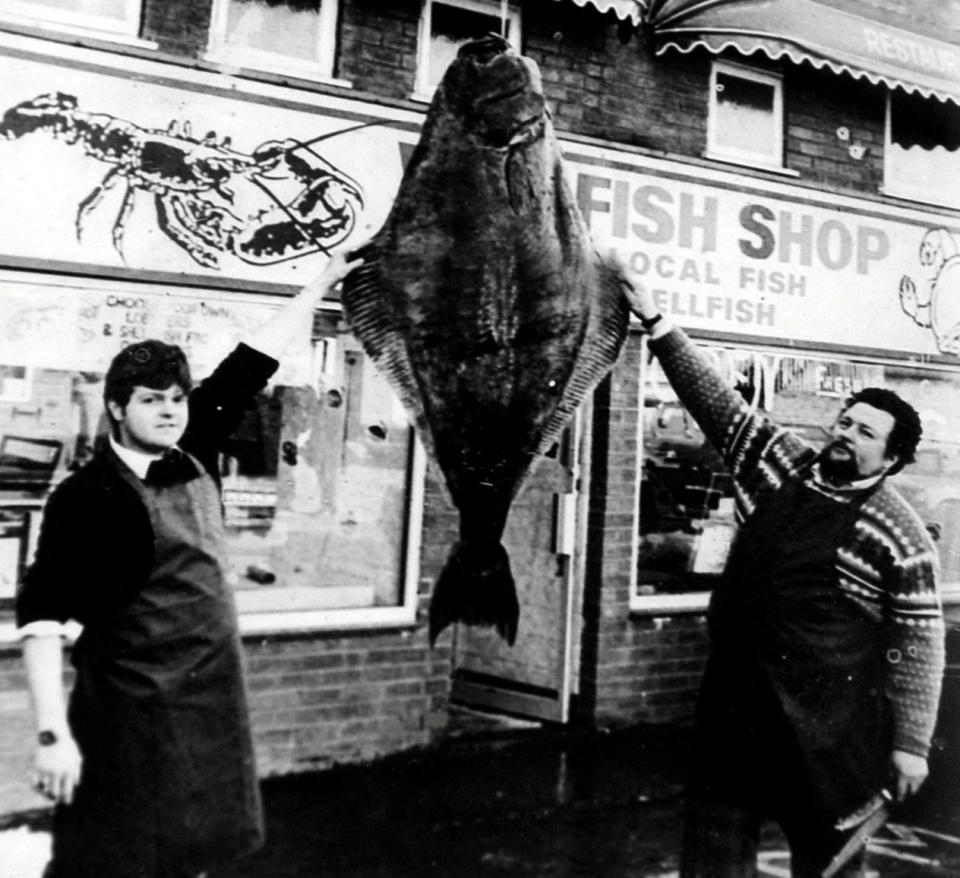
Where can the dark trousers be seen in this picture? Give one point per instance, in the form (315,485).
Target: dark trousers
(721,839)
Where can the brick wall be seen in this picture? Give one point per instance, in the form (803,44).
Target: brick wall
(817,104)
(378,46)
(598,86)
(179,27)
(331,698)
(315,700)
(635,668)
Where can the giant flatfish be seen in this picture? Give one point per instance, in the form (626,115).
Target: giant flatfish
(488,309)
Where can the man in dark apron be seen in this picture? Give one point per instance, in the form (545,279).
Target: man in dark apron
(826,654)
(152,767)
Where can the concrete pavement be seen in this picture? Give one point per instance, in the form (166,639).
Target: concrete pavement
(534,802)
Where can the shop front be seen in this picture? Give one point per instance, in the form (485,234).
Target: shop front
(131,222)
(146,199)
(150,200)
(800,298)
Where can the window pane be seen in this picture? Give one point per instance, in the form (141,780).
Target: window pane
(315,491)
(923,122)
(686,498)
(745,115)
(290,28)
(923,157)
(316,479)
(451,27)
(100,8)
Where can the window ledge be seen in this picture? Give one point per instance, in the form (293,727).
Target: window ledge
(751,164)
(280,624)
(89,37)
(696,602)
(234,66)
(915,197)
(670,604)
(250,629)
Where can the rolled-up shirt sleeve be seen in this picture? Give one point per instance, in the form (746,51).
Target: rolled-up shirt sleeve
(42,628)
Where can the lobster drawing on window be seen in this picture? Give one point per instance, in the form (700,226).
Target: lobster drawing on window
(190,179)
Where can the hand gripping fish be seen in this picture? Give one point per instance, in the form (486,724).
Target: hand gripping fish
(486,306)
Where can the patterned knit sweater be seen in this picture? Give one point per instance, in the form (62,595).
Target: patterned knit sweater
(888,565)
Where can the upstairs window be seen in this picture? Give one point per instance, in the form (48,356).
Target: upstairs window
(745,122)
(922,155)
(285,36)
(447,24)
(117,17)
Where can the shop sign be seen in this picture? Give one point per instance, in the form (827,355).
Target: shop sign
(731,255)
(126,164)
(123,164)
(91,322)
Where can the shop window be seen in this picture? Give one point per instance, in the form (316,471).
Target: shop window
(447,24)
(745,120)
(923,149)
(686,506)
(322,481)
(109,16)
(284,36)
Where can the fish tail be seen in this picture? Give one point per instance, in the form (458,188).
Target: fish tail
(476,587)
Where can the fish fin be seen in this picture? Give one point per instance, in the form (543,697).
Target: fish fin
(367,308)
(476,587)
(603,339)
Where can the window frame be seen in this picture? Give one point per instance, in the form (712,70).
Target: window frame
(403,613)
(273,62)
(663,604)
(31,13)
(900,188)
(422,88)
(273,620)
(769,161)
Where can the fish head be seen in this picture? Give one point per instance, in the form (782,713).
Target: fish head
(496,93)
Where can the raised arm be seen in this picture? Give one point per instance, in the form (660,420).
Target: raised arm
(218,403)
(758,452)
(715,406)
(272,337)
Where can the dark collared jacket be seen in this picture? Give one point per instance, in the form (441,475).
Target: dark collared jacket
(96,543)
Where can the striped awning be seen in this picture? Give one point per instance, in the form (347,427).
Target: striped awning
(631,10)
(814,33)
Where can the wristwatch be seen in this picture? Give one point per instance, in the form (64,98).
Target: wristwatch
(46,737)
(649,322)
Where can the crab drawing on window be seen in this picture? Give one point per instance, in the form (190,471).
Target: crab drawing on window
(934,299)
(190,179)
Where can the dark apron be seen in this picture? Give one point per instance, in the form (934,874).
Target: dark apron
(168,784)
(791,716)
